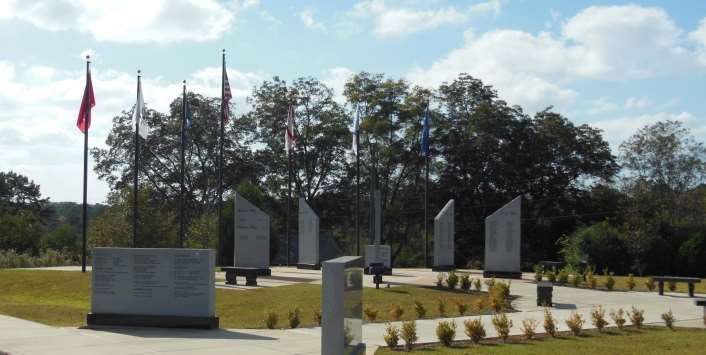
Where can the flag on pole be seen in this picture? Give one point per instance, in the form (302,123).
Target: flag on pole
(226,95)
(138,116)
(425,134)
(356,130)
(290,138)
(89,101)
(188,117)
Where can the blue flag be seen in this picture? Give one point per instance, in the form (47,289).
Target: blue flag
(188,117)
(425,134)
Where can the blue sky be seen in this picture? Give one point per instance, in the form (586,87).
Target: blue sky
(615,65)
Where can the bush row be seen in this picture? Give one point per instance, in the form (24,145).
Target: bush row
(11,259)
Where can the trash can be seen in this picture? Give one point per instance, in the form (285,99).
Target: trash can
(544,293)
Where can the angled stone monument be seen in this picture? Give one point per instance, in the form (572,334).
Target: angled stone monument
(251,254)
(308,237)
(342,306)
(171,288)
(444,231)
(377,252)
(503,241)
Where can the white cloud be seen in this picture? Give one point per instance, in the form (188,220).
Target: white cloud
(398,22)
(494,6)
(128,20)
(307,18)
(533,70)
(335,79)
(38,121)
(617,130)
(699,36)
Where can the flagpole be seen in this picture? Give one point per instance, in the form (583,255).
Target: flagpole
(183,162)
(137,166)
(220,161)
(289,195)
(357,186)
(426,212)
(85,171)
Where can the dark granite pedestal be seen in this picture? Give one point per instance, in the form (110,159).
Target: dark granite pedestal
(250,274)
(141,320)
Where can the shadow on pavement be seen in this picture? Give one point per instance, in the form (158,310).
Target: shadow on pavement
(181,333)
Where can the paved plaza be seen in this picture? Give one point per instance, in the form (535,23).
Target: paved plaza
(23,337)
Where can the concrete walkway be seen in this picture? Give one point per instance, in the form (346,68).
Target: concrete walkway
(23,337)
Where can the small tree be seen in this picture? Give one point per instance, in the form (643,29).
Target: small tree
(391,336)
(452,280)
(618,318)
(420,309)
(294,317)
(631,282)
(668,319)
(396,312)
(371,313)
(409,334)
(477,284)
(598,318)
(441,307)
(474,329)
(502,325)
(462,308)
(650,284)
(549,323)
(575,323)
(465,282)
(528,328)
(637,317)
(271,319)
(317,317)
(446,332)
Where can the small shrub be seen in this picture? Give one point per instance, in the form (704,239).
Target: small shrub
(451,280)
(631,282)
(420,309)
(396,312)
(610,281)
(462,308)
(489,283)
(575,279)
(618,318)
(271,319)
(528,328)
(650,284)
(478,305)
(317,317)
(549,323)
(598,318)
(465,282)
(563,277)
(347,336)
(591,280)
(409,334)
(575,323)
(551,276)
(498,296)
(446,332)
(440,279)
(637,317)
(538,272)
(502,325)
(474,329)
(294,317)
(371,314)
(441,307)
(391,336)
(477,284)
(672,286)
(668,319)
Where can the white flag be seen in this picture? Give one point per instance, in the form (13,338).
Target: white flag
(138,116)
(290,138)
(356,129)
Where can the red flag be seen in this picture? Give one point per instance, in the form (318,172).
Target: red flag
(84,114)
(225,100)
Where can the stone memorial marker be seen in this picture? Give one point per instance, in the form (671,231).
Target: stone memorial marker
(377,253)
(153,288)
(252,235)
(444,238)
(342,306)
(503,241)
(308,237)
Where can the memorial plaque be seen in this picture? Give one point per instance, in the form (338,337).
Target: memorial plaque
(503,241)
(308,236)
(378,254)
(444,231)
(155,283)
(342,306)
(252,235)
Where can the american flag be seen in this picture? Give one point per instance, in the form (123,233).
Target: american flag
(226,96)
(290,138)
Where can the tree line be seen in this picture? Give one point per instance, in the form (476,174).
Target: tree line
(578,198)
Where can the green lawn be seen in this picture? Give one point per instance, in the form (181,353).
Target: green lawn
(621,285)
(647,341)
(62,298)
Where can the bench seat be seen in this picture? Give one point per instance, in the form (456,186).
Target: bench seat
(250,274)
(689,280)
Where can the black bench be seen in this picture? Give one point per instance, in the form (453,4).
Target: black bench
(250,274)
(690,280)
(701,303)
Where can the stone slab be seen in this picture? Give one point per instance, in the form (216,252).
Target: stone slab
(342,306)
(152,282)
(252,235)
(444,231)
(308,236)
(503,240)
(378,254)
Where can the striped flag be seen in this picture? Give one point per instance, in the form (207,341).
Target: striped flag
(356,132)
(290,138)
(226,95)
(89,101)
(188,116)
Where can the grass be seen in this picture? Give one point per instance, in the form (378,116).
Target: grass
(622,281)
(62,298)
(647,341)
